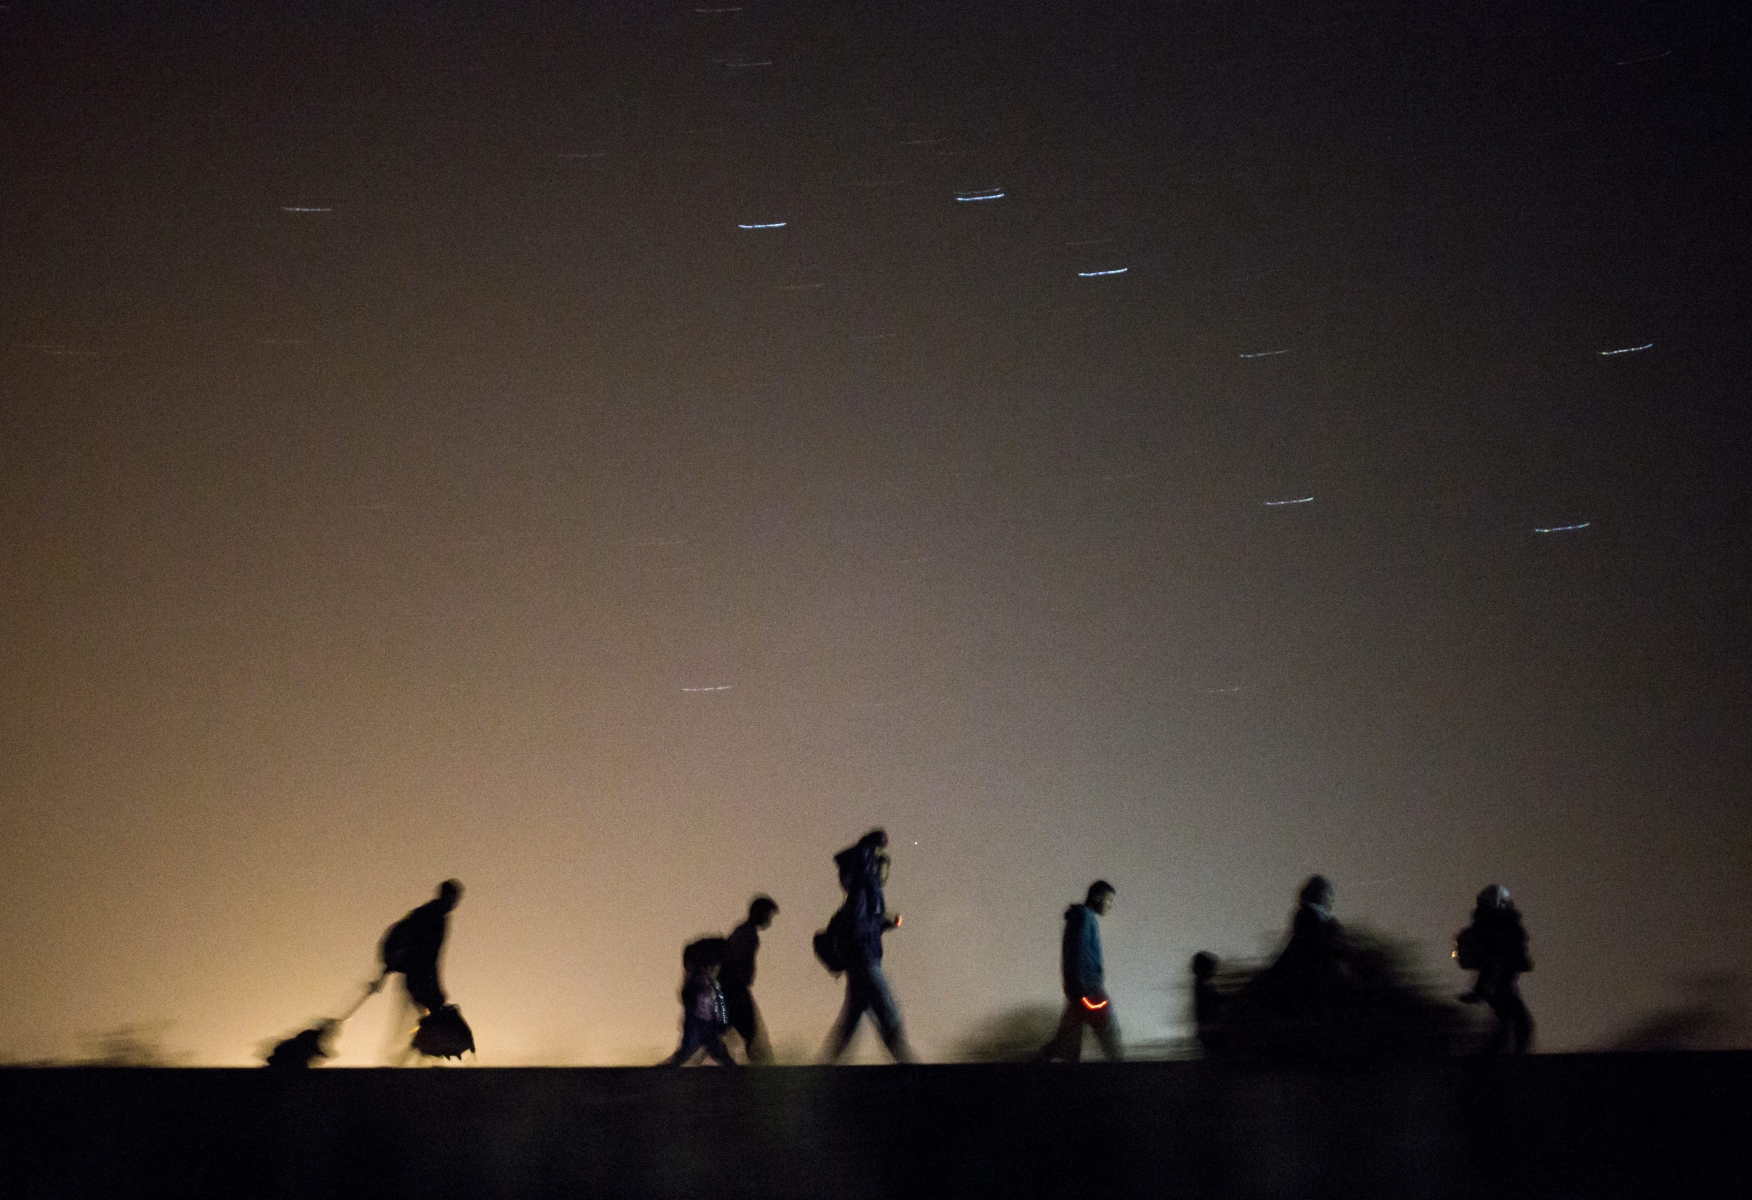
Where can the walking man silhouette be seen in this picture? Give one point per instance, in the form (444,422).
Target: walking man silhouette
(736,977)
(413,944)
(1087,1005)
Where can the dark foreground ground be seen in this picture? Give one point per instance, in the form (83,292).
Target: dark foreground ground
(1549,1126)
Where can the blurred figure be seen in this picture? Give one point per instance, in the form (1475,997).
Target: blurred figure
(703,1018)
(1309,974)
(856,936)
(306,1047)
(736,977)
(413,944)
(1495,945)
(1087,1005)
(412,947)
(301,1049)
(1207,1003)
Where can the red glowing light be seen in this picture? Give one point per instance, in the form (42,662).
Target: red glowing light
(1092,1006)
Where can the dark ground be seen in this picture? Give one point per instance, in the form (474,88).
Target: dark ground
(1547,1126)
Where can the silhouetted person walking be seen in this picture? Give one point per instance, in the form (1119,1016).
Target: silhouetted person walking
(856,932)
(413,944)
(1310,972)
(1208,1008)
(703,1019)
(1495,945)
(412,947)
(736,977)
(1084,976)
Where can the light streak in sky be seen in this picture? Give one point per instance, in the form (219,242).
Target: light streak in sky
(1265,353)
(1281,503)
(1563,528)
(1097,274)
(766,225)
(723,687)
(971,197)
(293,208)
(1627,350)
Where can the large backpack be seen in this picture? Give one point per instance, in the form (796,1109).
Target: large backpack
(1466,949)
(830,943)
(393,950)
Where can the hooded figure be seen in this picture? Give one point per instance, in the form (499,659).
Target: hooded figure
(1495,945)
(861,922)
(1085,978)
(1310,972)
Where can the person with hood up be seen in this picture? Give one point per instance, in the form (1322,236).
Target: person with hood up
(1495,945)
(1310,972)
(1087,1005)
(861,922)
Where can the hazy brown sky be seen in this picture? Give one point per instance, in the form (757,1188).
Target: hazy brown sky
(396,423)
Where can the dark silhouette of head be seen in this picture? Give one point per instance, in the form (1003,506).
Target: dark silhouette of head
(1204,965)
(1099,896)
(703,954)
(1494,896)
(761,910)
(1317,891)
(450,891)
(863,856)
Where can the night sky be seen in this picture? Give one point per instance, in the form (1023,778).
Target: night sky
(413,465)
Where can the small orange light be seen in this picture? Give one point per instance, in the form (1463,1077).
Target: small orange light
(897,921)
(1093,1007)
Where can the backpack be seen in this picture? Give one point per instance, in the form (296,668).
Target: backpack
(1466,949)
(394,948)
(830,943)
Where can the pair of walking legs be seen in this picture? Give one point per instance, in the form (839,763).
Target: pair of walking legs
(697,1035)
(867,992)
(1514,1024)
(745,1019)
(1067,1043)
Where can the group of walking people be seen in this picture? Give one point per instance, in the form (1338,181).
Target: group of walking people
(1308,978)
